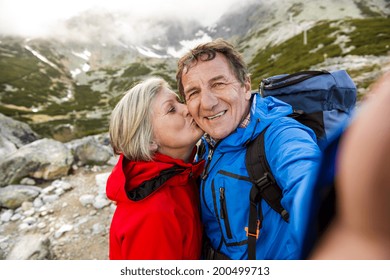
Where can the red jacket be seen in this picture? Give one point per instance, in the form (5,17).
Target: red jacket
(156,217)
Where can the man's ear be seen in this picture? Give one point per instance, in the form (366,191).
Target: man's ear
(153,146)
(248,88)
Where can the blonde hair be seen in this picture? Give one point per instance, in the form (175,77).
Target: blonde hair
(130,127)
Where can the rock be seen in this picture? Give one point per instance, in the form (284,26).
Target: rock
(49,198)
(27,181)
(86,199)
(31,247)
(16,217)
(6,215)
(101,180)
(16,132)
(6,147)
(62,230)
(98,229)
(101,202)
(63,185)
(43,159)
(70,211)
(13,196)
(88,151)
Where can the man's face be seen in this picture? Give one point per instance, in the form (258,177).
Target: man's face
(215,98)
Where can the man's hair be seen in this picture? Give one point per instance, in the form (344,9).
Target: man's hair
(130,126)
(208,51)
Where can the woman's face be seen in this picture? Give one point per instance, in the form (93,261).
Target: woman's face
(174,129)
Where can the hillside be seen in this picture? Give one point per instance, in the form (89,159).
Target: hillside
(66,87)
(350,41)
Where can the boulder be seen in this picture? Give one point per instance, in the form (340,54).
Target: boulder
(90,151)
(43,159)
(16,132)
(31,247)
(13,196)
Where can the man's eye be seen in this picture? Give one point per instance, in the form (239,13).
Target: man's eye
(171,109)
(218,85)
(191,95)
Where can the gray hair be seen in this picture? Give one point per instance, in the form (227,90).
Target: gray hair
(207,52)
(130,127)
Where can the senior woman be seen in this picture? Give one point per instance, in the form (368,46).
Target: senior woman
(154,183)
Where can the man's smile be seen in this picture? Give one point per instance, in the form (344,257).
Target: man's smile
(217,115)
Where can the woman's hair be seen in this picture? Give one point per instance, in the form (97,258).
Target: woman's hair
(208,51)
(130,127)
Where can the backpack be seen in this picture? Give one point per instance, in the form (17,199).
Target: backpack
(321,100)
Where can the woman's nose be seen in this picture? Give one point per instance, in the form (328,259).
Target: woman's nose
(184,110)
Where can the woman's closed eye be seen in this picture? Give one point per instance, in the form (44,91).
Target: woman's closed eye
(171,109)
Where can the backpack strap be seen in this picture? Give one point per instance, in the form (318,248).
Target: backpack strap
(264,187)
(288,80)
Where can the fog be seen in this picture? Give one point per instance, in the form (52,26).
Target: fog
(46,17)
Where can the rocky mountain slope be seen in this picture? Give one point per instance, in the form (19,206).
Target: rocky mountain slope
(65,86)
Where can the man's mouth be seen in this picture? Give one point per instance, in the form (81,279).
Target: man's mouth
(216,116)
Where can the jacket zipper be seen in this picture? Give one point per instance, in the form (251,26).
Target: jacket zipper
(205,172)
(204,176)
(224,212)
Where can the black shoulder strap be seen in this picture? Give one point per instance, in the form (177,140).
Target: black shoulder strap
(264,187)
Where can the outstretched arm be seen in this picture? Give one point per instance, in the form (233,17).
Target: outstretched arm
(361,229)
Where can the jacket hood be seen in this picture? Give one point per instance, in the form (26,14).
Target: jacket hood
(127,177)
(266,111)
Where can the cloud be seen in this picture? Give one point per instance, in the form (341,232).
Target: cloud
(38,17)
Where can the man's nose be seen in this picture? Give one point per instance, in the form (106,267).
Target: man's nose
(208,100)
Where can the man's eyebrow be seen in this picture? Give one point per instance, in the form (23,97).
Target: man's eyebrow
(212,80)
(190,89)
(216,78)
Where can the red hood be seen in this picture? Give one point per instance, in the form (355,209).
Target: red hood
(128,175)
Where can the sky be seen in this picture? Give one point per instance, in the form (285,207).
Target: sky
(32,17)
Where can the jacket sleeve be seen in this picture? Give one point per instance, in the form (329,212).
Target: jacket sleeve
(293,156)
(156,237)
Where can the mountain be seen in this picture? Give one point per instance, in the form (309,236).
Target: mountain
(65,86)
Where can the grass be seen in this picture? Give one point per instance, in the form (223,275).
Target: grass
(370,37)
(292,55)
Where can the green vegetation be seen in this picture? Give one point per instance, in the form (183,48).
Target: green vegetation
(136,69)
(293,55)
(370,37)
(81,126)
(26,82)
(166,77)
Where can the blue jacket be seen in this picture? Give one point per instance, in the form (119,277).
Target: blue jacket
(292,154)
